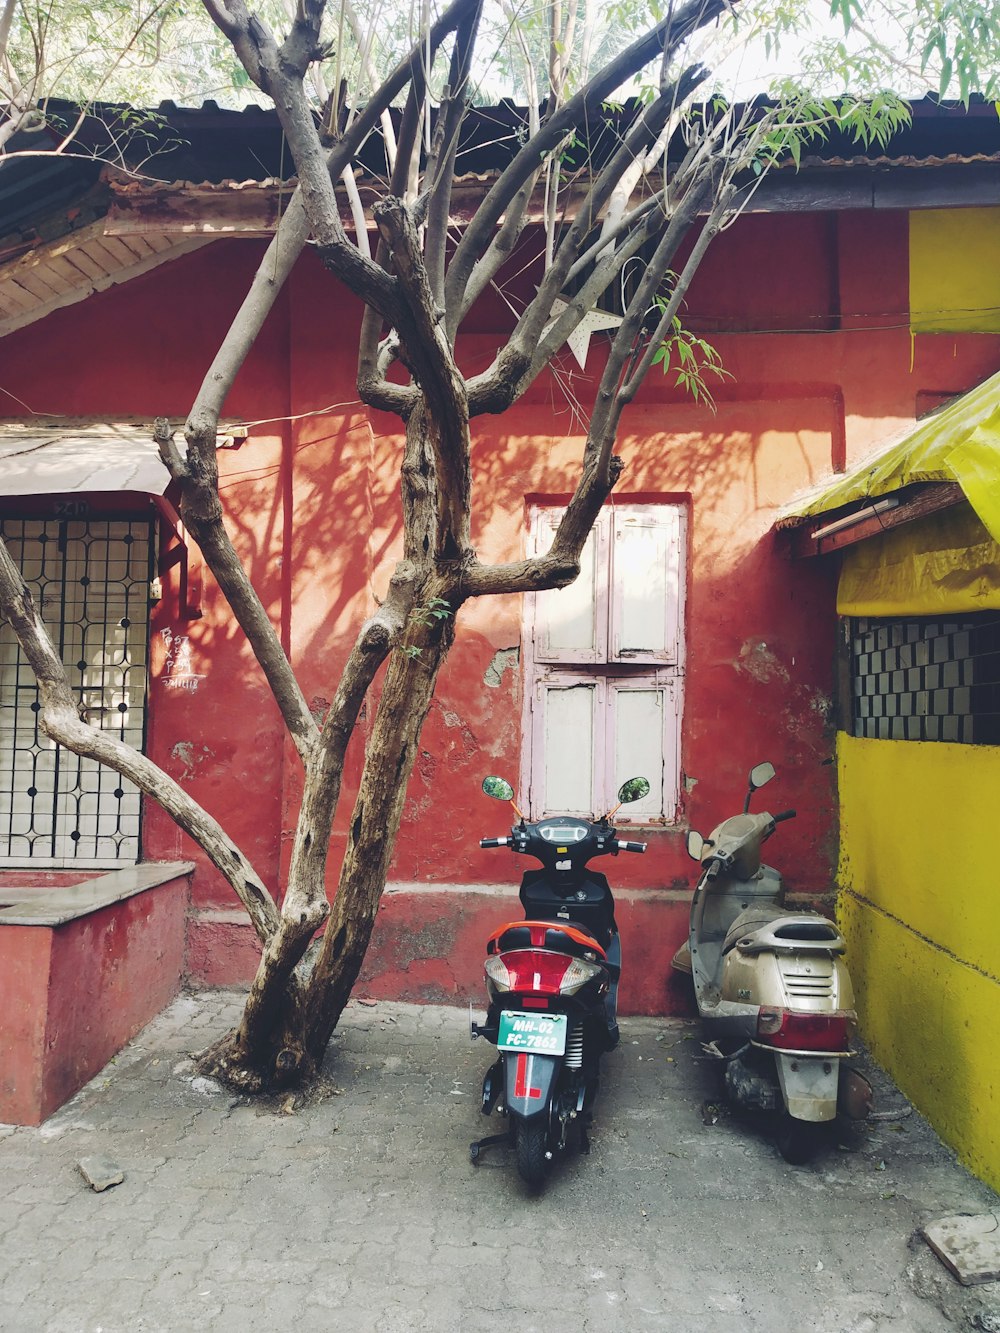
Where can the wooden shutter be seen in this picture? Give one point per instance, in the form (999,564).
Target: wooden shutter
(568,736)
(570,625)
(646,584)
(642,723)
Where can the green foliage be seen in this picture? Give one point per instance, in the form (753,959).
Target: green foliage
(436,609)
(953,45)
(692,359)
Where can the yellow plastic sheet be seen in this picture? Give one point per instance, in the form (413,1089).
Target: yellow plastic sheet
(960,442)
(946,563)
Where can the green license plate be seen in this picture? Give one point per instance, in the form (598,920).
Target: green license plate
(538,1034)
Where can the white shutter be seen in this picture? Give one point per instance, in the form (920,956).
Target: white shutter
(571,624)
(570,740)
(647,583)
(643,723)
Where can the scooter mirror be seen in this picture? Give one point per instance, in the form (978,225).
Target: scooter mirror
(695,844)
(498,789)
(761,774)
(632,790)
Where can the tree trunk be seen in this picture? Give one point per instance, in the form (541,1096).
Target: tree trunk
(392,752)
(289,1019)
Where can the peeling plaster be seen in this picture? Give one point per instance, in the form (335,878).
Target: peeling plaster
(503,659)
(183,752)
(758,661)
(319,706)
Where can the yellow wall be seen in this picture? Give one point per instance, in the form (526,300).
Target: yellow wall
(955,270)
(920,909)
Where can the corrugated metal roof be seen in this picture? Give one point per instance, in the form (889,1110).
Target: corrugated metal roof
(906,160)
(53,457)
(54,460)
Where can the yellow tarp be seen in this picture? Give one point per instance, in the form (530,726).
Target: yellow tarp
(960,443)
(946,563)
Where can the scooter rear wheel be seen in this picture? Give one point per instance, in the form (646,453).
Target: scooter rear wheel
(532,1164)
(798,1140)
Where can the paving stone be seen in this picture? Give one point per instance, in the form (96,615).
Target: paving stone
(100,1172)
(361,1210)
(969,1246)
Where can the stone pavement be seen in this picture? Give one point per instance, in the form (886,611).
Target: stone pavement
(359,1210)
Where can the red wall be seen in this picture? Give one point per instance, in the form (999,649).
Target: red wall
(813,317)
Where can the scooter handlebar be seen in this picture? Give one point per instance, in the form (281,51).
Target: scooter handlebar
(494,842)
(783,815)
(631,846)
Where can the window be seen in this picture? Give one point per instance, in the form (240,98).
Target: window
(927,679)
(90,581)
(604,667)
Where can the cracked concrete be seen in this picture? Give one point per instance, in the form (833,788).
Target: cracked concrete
(358,1209)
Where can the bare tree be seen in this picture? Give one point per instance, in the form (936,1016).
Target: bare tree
(418,287)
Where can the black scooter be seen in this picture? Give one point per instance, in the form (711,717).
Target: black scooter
(552,985)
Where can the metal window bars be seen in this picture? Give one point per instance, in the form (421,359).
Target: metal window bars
(928,679)
(90,579)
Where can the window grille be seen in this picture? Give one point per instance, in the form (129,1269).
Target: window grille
(90,582)
(927,680)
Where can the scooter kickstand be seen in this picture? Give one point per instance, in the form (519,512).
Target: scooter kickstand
(490,1141)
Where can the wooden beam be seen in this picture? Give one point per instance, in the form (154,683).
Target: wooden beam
(916,501)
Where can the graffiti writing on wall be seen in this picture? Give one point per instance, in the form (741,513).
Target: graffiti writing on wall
(178,666)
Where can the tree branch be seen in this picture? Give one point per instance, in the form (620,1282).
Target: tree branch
(60,720)
(202,509)
(321,794)
(441,168)
(442,414)
(670,33)
(521,358)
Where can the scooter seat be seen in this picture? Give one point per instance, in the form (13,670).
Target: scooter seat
(560,936)
(799,932)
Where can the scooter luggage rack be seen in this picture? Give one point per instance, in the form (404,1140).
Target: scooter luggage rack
(794,934)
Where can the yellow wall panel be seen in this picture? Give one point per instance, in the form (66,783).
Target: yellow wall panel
(955,270)
(918,823)
(931,1022)
(920,908)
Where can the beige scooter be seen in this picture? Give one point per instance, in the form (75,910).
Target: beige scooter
(772,987)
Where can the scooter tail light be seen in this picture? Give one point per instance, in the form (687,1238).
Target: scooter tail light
(496,971)
(791,1029)
(577,975)
(542,971)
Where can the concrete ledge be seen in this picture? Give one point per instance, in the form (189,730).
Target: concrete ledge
(82,969)
(31,906)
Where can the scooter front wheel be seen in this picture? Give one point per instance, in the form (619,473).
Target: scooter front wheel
(798,1140)
(532,1164)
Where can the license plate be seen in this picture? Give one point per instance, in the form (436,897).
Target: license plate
(540,1034)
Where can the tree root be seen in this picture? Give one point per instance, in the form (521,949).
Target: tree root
(286,1065)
